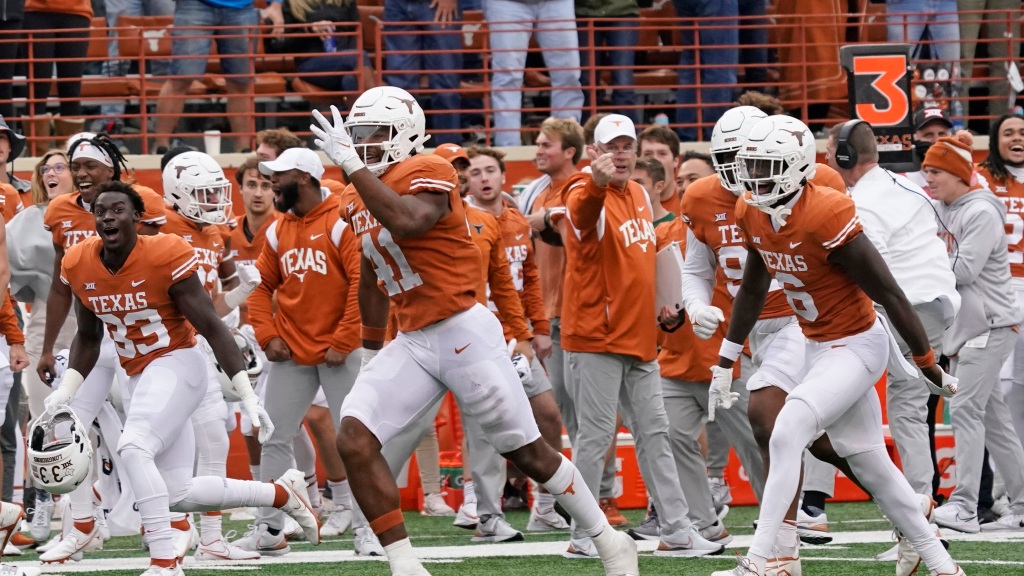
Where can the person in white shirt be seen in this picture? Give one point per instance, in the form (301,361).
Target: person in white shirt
(900,221)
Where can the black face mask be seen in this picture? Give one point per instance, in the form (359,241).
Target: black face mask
(919,150)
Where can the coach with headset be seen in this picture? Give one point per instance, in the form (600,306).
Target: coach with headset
(900,221)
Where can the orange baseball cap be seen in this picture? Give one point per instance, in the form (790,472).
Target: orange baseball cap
(451,151)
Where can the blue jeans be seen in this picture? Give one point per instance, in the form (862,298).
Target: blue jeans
(908,19)
(511,25)
(719,58)
(754,39)
(443,65)
(312,70)
(235,52)
(118,67)
(616,35)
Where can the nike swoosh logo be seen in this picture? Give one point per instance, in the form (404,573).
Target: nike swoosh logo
(459,350)
(518,236)
(794,244)
(137,283)
(640,208)
(315,236)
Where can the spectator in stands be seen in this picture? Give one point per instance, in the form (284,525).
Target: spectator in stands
(614,35)
(112,123)
(909,21)
(1000,33)
(808,34)
(10,41)
(270,143)
(753,36)
(717,57)
(662,144)
(694,165)
(58,34)
(329,20)
(191,48)
(405,63)
(512,22)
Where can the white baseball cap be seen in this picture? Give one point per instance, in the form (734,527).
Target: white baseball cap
(612,126)
(302,159)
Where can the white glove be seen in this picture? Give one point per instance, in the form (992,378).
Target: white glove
(368,354)
(64,393)
(950,385)
(520,362)
(335,141)
(258,414)
(248,280)
(720,393)
(705,320)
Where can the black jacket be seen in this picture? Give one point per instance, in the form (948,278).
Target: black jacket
(294,43)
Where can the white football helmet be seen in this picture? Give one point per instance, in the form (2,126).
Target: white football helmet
(59,462)
(195,185)
(776,161)
(729,134)
(253,366)
(387,119)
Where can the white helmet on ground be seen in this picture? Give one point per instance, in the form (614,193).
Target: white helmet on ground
(253,366)
(729,134)
(387,119)
(776,161)
(195,185)
(59,464)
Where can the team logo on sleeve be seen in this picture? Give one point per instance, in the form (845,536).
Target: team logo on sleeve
(66,224)
(90,285)
(721,217)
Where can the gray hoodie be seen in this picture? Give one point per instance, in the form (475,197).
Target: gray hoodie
(980,262)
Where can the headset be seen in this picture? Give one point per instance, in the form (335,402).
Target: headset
(846,155)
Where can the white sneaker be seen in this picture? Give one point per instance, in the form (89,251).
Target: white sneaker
(11,516)
(338,522)
(496,529)
(650,528)
(785,562)
(291,529)
(366,543)
(812,529)
(466,518)
(185,540)
(12,570)
(716,533)
(73,546)
(720,493)
(258,539)
(243,515)
(890,555)
(101,522)
(545,521)
(744,567)
(580,548)
(434,505)
(1008,523)
(221,549)
(158,571)
(953,515)
(618,553)
(298,506)
(41,519)
(959,572)
(12,550)
(688,543)
(53,541)
(1001,506)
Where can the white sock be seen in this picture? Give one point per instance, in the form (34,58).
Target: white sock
(787,536)
(401,557)
(341,494)
(211,527)
(468,493)
(568,489)
(542,499)
(254,469)
(313,491)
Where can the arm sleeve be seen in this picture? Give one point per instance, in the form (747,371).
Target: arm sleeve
(260,302)
(698,272)
(533,300)
(584,204)
(503,291)
(982,234)
(346,336)
(9,322)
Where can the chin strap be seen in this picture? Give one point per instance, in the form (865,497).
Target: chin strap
(778,214)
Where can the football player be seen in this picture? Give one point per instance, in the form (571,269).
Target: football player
(415,243)
(148,295)
(809,239)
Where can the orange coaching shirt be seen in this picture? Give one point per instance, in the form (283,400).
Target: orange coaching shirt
(312,263)
(497,289)
(430,277)
(135,303)
(828,303)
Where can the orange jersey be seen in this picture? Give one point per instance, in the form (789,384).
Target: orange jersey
(550,259)
(75,7)
(522,261)
(11,202)
(610,249)
(135,303)
(684,356)
(710,210)
(70,222)
(829,305)
(1011,193)
(825,175)
(208,242)
(312,263)
(9,322)
(495,276)
(246,250)
(430,277)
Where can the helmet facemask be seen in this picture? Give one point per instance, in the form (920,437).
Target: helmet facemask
(727,169)
(210,204)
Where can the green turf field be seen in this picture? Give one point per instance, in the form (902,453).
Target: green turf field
(860,533)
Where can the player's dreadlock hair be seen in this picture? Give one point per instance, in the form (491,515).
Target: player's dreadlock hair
(103,141)
(995,164)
